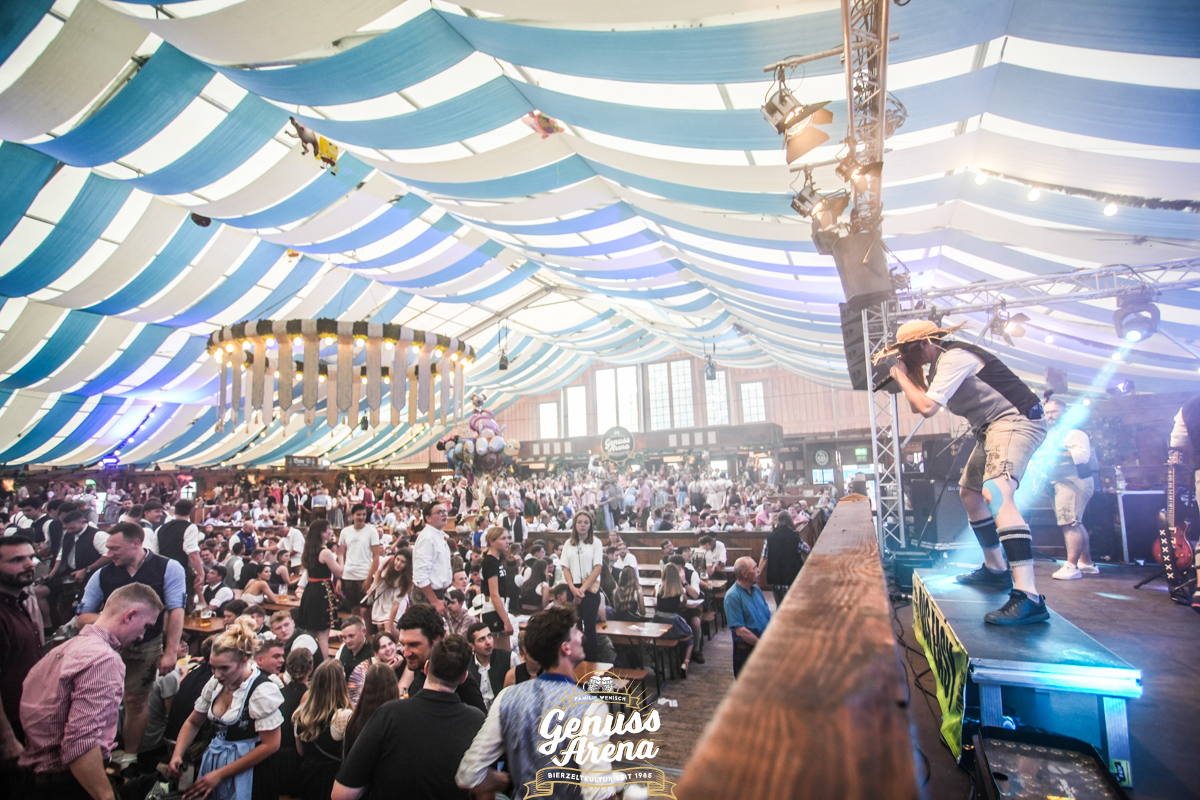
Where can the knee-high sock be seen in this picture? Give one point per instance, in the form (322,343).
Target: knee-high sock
(985,532)
(1018,545)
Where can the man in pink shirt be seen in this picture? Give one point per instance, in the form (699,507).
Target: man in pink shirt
(72,696)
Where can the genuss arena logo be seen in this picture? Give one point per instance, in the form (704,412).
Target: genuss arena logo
(569,736)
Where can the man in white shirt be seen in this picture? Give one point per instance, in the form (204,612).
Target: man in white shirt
(293,542)
(714,556)
(431,558)
(359,550)
(624,558)
(1071,475)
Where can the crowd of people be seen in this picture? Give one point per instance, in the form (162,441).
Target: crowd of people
(425,589)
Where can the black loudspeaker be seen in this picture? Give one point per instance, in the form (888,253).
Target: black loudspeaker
(861,265)
(932,522)
(944,458)
(852,340)
(1139,518)
(1056,380)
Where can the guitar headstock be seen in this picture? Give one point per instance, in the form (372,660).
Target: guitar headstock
(1174,457)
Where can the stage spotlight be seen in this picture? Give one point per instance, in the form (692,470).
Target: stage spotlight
(830,207)
(1136,318)
(1124,387)
(1049,338)
(789,116)
(1116,356)
(710,369)
(1034,194)
(981,178)
(1087,402)
(806,199)
(503,360)
(847,169)
(1110,209)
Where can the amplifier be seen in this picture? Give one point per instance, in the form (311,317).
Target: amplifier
(1139,522)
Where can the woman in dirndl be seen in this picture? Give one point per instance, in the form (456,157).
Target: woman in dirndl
(318,606)
(243,705)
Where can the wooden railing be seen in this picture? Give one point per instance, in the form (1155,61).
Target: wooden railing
(819,710)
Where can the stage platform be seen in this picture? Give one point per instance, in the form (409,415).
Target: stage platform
(1050,676)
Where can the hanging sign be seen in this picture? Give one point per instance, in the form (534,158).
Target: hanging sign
(617,443)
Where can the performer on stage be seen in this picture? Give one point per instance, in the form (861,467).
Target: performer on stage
(1184,435)
(1006,418)
(1072,476)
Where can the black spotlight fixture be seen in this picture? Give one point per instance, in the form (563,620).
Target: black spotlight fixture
(503,360)
(1136,318)
(1122,388)
(807,198)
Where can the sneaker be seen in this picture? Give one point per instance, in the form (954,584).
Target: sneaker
(1089,569)
(1021,609)
(1068,572)
(986,578)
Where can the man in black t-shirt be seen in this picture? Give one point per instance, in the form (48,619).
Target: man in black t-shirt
(412,748)
(421,628)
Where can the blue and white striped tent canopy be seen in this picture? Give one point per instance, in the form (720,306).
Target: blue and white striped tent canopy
(657,221)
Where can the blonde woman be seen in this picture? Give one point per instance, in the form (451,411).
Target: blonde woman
(672,600)
(320,726)
(582,558)
(495,586)
(243,705)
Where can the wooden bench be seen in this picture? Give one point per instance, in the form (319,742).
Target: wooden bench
(820,708)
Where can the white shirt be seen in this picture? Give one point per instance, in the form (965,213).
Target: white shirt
(295,545)
(431,560)
(359,555)
(717,554)
(627,560)
(485,685)
(582,558)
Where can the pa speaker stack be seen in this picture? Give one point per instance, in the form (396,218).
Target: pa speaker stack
(862,268)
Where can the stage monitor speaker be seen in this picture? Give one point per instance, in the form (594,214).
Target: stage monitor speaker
(1139,522)
(852,340)
(932,522)
(861,265)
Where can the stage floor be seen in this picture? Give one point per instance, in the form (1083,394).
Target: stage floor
(1142,627)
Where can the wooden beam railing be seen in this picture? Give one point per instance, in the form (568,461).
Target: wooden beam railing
(820,710)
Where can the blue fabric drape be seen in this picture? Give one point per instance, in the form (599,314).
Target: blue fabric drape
(97,418)
(402,212)
(188,241)
(419,49)
(65,342)
(88,215)
(25,172)
(229,291)
(243,132)
(300,275)
(51,423)
(158,93)
(316,196)
(147,342)
(183,359)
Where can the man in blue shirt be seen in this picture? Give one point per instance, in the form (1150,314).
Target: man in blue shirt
(746,611)
(150,657)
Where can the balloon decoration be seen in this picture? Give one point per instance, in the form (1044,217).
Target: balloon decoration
(482,451)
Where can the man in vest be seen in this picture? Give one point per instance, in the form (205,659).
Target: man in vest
(490,664)
(1072,478)
(1006,417)
(149,657)
(179,540)
(782,557)
(83,549)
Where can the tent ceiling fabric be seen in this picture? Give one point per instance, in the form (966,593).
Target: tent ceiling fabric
(657,221)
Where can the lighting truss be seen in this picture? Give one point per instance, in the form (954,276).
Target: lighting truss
(865,43)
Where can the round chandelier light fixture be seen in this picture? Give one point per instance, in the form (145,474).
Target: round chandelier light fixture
(264,364)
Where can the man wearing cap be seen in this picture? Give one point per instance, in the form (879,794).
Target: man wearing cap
(1006,418)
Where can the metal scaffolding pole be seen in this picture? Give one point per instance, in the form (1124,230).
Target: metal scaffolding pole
(885,443)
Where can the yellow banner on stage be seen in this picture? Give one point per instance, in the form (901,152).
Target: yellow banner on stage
(655,780)
(947,659)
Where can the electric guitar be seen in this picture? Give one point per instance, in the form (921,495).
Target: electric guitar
(1171,548)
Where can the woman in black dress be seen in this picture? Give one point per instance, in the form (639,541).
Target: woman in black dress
(318,607)
(320,723)
(495,586)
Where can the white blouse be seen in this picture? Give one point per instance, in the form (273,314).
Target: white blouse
(582,558)
(264,703)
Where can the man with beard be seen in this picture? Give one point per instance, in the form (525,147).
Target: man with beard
(20,648)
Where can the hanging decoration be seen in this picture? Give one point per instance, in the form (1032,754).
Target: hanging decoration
(338,363)
(324,150)
(484,450)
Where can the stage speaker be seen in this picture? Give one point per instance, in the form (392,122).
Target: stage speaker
(852,340)
(937,516)
(861,265)
(1056,380)
(944,458)
(1139,522)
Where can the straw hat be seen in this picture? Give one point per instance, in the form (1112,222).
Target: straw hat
(915,331)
